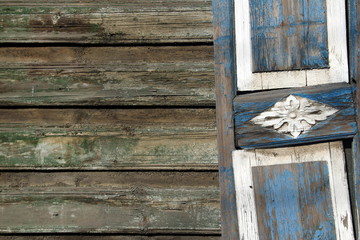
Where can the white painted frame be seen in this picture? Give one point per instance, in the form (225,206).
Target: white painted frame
(332,153)
(338,71)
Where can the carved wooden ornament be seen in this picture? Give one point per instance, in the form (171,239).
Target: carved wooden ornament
(294,115)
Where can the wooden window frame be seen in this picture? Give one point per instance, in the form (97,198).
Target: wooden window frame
(226,91)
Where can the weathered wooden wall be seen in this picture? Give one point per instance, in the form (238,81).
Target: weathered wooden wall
(107,120)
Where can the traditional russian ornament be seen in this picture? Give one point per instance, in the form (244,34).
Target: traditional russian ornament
(294,115)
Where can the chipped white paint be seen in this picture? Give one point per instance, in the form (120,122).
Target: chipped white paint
(338,71)
(343,219)
(332,153)
(245,196)
(290,117)
(294,115)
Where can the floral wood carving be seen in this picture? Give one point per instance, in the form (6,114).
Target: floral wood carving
(294,115)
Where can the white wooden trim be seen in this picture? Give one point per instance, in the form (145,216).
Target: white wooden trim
(338,71)
(332,153)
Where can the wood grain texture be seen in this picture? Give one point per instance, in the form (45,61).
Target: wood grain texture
(247,80)
(354,60)
(293,201)
(107,139)
(331,153)
(125,21)
(354,39)
(96,76)
(340,125)
(109,202)
(225,80)
(288,36)
(112,237)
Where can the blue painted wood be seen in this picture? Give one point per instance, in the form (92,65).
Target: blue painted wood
(354,38)
(293,201)
(354,63)
(225,79)
(354,184)
(288,35)
(340,125)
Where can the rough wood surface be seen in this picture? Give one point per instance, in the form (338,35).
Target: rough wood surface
(182,75)
(341,124)
(225,75)
(336,44)
(111,237)
(288,36)
(109,202)
(354,62)
(113,21)
(293,201)
(329,153)
(107,139)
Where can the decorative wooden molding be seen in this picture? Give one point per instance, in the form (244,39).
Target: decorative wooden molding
(299,182)
(335,22)
(251,131)
(294,115)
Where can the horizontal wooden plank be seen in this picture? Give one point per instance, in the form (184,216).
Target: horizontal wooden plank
(107,139)
(115,202)
(293,120)
(109,237)
(125,21)
(181,75)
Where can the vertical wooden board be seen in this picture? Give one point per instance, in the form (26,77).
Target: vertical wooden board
(354,62)
(354,39)
(288,35)
(248,228)
(225,80)
(293,201)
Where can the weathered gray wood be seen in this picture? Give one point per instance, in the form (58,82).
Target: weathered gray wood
(107,139)
(353,9)
(225,80)
(125,21)
(181,75)
(111,237)
(112,202)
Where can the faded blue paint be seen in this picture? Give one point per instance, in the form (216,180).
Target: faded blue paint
(282,199)
(267,142)
(337,97)
(297,202)
(285,38)
(225,76)
(354,34)
(342,123)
